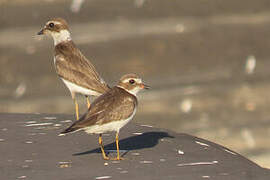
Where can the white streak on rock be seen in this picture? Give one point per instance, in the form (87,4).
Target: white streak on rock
(137,133)
(230,151)
(39,124)
(145,125)
(198,163)
(200,143)
(205,176)
(103,177)
(50,118)
(146,162)
(66,121)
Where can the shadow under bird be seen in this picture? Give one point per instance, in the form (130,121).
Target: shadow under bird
(76,71)
(111,111)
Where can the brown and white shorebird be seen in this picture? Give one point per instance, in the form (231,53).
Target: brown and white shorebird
(111,111)
(78,74)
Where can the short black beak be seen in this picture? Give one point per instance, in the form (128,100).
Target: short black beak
(40,32)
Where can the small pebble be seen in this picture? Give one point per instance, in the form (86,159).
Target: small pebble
(106,164)
(64,164)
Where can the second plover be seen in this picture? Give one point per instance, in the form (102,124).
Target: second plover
(78,74)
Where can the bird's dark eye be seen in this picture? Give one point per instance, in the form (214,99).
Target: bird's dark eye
(51,25)
(131,81)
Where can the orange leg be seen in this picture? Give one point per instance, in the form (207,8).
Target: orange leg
(76,105)
(117,147)
(105,157)
(88,102)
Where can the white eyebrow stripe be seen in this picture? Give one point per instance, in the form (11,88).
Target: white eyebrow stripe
(55,22)
(136,79)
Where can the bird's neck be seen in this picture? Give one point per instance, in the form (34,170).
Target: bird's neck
(62,36)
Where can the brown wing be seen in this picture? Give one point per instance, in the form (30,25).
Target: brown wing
(114,105)
(71,65)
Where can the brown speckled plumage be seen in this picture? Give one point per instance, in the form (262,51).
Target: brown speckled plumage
(115,105)
(72,66)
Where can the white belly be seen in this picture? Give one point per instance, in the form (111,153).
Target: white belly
(73,88)
(108,127)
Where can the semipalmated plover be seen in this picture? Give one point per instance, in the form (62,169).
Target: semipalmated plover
(78,74)
(111,111)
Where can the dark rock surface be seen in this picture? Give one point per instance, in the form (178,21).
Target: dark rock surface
(31,149)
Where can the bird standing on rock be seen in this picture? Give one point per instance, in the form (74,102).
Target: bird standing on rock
(78,74)
(111,111)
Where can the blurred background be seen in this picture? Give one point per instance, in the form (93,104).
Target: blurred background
(207,62)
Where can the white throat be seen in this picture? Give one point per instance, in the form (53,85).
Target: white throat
(133,91)
(58,37)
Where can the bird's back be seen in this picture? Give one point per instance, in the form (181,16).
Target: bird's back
(73,66)
(115,105)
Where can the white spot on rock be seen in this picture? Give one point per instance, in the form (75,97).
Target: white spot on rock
(106,164)
(162,160)
(180,152)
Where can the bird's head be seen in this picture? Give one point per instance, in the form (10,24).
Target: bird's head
(58,29)
(132,83)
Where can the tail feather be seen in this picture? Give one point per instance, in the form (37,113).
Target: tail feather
(69,130)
